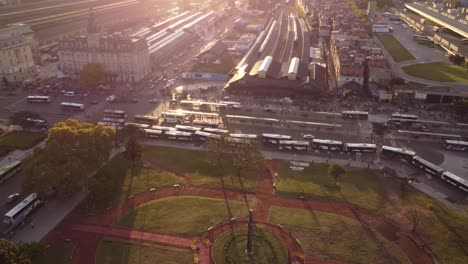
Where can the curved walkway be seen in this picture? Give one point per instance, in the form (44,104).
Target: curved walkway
(88,230)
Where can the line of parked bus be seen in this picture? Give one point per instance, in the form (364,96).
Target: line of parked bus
(426,166)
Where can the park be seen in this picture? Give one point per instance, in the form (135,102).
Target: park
(183,206)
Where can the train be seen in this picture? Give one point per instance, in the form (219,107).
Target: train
(267,38)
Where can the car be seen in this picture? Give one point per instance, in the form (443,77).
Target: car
(12,93)
(134,100)
(154,101)
(69,94)
(94,102)
(308,136)
(12,197)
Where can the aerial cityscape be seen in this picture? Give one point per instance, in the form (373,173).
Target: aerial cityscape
(233,131)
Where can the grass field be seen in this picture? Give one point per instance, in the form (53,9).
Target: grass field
(231,246)
(146,178)
(443,229)
(398,52)
(126,252)
(59,253)
(334,237)
(197,165)
(358,186)
(188,216)
(437,71)
(21,140)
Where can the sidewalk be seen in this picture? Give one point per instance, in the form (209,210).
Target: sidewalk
(50,215)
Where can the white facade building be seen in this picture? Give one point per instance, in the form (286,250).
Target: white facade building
(123,58)
(17,47)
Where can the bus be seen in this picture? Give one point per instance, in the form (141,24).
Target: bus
(66,106)
(427,166)
(113,120)
(294,145)
(392,152)
(146,119)
(205,123)
(178,135)
(40,123)
(152,133)
(251,120)
(38,99)
(274,138)
(203,136)
(9,170)
(236,141)
(456,181)
(456,145)
(362,115)
(163,128)
(173,117)
(138,125)
(23,209)
(215,130)
(360,147)
(187,128)
(327,144)
(120,114)
(245,136)
(404,116)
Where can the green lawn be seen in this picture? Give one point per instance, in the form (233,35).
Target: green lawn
(398,52)
(197,165)
(358,186)
(231,246)
(146,178)
(112,251)
(59,253)
(444,230)
(21,140)
(330,236)
(437,71)
(187,216)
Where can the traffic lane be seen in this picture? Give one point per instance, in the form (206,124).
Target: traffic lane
(296,134)
(13,185)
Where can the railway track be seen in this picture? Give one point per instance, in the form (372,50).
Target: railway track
(280,46)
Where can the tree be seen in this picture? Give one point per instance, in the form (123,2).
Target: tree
(335,171)
(218,150)
(20,118)
(91,76)
(133,150)
(33,251)
(247,156)
(9,254)
(415,215)
(101,188)
(73,150)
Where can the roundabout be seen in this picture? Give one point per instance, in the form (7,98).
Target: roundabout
(231,246)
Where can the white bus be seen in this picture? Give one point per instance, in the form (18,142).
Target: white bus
(187,128)
(146,119)
(38,99)
(178,135)
(274,138)
(404,116)
(173,117)
(327,144)
(293,145)
(203,136)
(40,123)
(66,106)
(427,166)
(245,136)
(113,120)
(120,114)
(456,145)
(360,147)
(152,133)
(392,152)
(163,128)
(456,181)
(138,125)
(215,130)
(23,209)
(9,170)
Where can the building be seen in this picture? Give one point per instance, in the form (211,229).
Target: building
(213,52)
(17,47)
(123,58)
